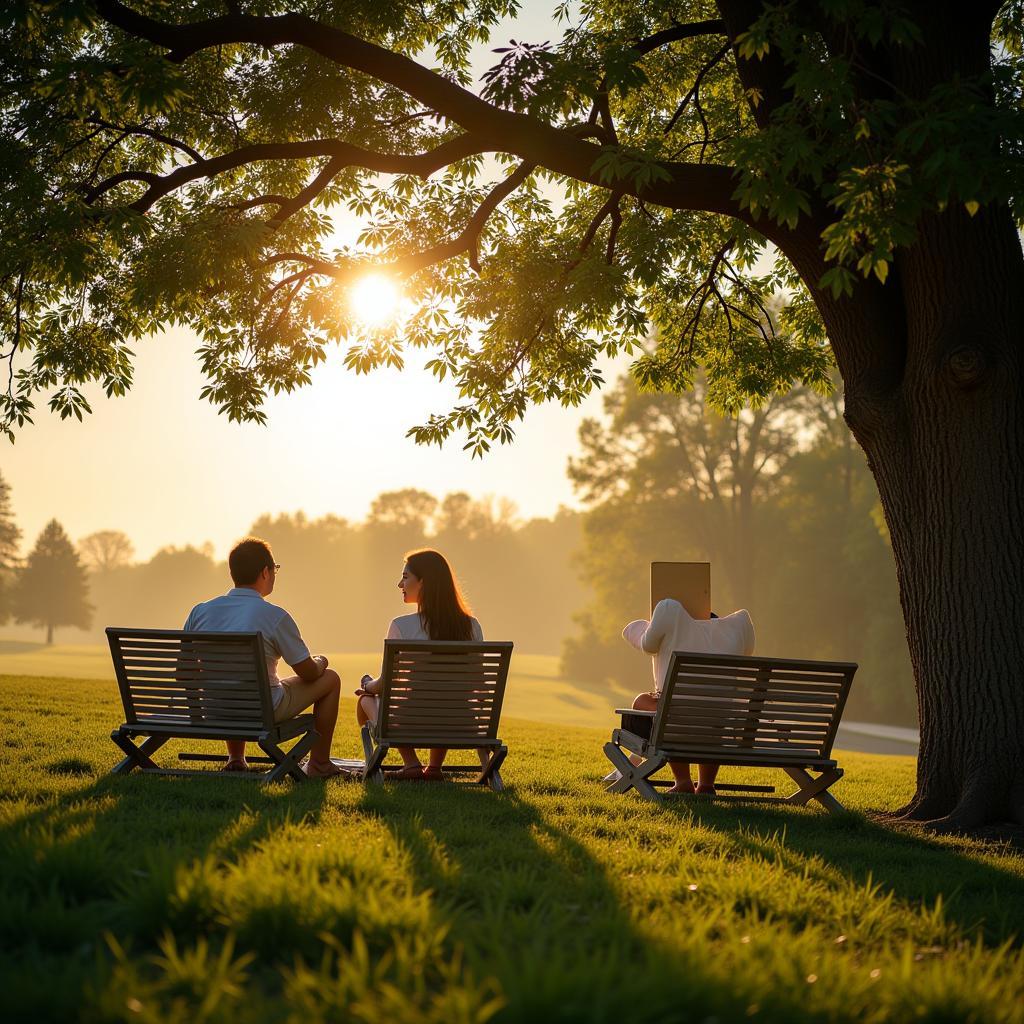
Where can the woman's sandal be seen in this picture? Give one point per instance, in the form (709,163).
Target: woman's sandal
(411,772)
(433,774)
(235,764)
(706,791)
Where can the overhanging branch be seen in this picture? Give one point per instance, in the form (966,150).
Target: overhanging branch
(707,187)
(344,153)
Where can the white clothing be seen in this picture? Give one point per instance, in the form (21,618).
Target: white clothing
(410,627)
(243,610)
(672,628)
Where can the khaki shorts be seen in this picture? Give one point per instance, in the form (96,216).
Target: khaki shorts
(299,695)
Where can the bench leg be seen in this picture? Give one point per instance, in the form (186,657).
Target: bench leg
(490,763)
(138,756)
(364,735)
(815,788)
(634,776)
(288,763)
(374,759)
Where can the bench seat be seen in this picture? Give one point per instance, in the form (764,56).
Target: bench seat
(200,686)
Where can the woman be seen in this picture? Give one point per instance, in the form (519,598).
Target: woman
(441,614)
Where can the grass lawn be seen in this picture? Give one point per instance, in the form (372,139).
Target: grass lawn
(193,900)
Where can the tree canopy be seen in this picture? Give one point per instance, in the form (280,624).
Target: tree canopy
(185,164)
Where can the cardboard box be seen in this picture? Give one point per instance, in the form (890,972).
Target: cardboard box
(688,582)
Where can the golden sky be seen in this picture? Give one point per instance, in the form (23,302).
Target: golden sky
(162,466)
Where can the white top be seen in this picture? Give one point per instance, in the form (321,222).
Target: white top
(243,610)
(672,628)
(410,627)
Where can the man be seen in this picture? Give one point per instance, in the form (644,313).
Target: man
(244,609)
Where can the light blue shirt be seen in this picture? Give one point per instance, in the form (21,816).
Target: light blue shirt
(242,610)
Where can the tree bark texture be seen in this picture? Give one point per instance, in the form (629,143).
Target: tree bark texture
(946,446)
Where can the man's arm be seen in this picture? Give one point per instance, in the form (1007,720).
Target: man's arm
(311,669)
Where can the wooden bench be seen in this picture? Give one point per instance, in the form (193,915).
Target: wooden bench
(744,711)
(443,693)
(202,686)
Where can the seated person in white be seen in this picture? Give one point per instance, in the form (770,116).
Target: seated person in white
(442,614)
(244,609)
(672,628)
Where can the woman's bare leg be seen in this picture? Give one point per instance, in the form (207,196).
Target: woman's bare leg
(706,775)
(366,711)
(437,756)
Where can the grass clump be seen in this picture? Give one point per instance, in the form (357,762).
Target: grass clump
(165,900)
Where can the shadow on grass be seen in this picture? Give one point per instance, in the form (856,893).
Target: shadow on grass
(960,877)
(529,906)
(132,856)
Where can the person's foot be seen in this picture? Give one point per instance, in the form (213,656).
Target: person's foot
(325,770)
(432,774)
(236,764)
(681,789)
(706,789)
(410,773)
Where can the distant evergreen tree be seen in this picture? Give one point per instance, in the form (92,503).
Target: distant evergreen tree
(10,538)
(53,588)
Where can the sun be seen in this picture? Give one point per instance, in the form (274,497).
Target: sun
(375,300)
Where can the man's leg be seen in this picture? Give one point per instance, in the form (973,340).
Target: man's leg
(323,694)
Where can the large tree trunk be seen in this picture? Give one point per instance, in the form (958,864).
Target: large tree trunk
(947,452)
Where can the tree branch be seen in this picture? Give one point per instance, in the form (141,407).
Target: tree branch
(347,155)
(333,167)
(688,186)
(767,75)
(711,27)
(138,129)
(695,88)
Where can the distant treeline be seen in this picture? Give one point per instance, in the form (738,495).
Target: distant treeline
(339,578)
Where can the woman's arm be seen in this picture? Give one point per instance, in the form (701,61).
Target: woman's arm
(368,684)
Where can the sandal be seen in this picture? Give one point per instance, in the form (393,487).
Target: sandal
(431,774)
(235,764)
(411,772)
(706,791)
(326,771)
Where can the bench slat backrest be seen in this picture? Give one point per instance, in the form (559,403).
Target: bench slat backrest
(765,707)
(445,691)
(195,680)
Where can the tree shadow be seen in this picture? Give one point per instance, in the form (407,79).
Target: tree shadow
(958,878)
(132,848)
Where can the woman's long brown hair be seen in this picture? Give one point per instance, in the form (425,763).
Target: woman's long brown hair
(443,609)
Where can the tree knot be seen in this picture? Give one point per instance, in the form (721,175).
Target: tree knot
(966,366)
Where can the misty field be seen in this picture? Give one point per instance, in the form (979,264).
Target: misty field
(193,900)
